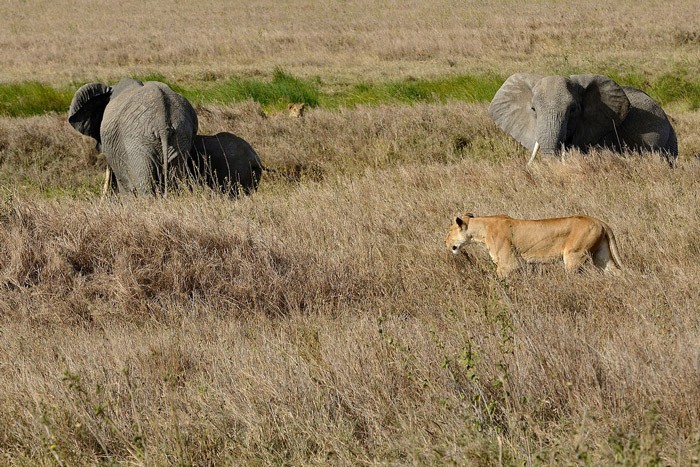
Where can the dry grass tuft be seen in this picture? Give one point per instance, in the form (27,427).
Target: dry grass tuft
(46,153)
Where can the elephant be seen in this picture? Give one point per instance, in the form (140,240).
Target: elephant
(226,163)
(142,129)
(553,113)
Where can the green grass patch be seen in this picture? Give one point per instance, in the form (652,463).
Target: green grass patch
(677,88)
(274,93)
(680,86)
(32,98)
(462,87)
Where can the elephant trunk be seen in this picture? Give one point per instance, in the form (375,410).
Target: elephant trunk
(551,134)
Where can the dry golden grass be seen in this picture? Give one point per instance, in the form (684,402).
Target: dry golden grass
(63,40)
(322,321)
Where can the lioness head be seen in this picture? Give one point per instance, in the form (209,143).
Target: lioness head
(458,235)
(296,110)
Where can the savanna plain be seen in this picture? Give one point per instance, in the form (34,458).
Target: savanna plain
(321,320)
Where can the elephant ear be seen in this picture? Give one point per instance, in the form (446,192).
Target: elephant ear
(604,106)
(87,107)
(511,108)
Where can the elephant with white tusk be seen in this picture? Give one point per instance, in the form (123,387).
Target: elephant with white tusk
(143,129)
(549,113)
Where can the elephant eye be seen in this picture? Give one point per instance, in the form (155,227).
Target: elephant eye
(533,108)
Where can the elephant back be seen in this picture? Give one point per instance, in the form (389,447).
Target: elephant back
(178,112)
(146,131)
(647,126)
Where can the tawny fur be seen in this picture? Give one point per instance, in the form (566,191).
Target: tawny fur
(296,110)
(509,241)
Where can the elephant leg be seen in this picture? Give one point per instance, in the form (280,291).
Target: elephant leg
(142,171)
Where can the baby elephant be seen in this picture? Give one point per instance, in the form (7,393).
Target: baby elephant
(226,163)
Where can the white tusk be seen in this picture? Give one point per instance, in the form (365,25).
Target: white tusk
(534,152)
(107,183)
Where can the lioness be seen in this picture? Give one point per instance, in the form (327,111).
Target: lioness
(574,238)
(296,110)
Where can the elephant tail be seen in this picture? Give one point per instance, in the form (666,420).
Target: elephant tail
(170,153)
(170,145)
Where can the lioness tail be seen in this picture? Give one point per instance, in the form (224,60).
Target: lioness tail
(613,246)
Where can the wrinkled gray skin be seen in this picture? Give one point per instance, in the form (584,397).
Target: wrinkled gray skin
(145,131)
(226,163)
(581,111)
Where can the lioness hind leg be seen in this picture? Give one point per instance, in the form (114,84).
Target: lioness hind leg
(603,260)
(573,260)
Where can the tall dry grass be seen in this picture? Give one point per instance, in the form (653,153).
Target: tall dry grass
(322,321)
(64,41)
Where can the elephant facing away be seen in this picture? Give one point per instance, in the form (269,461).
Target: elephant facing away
(225,163)
(142,129)
(551,113)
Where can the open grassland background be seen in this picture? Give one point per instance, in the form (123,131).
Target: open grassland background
(321,320)
(64,41)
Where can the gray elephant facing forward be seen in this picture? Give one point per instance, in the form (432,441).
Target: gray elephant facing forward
(143,129)
(226,163)
(549,113)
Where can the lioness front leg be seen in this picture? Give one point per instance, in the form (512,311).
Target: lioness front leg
(503,271)
(506,262)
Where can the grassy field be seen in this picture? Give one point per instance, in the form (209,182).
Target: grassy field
(321,321)
(66,41)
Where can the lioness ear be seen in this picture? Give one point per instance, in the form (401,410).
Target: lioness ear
(459,221)
(469,214)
